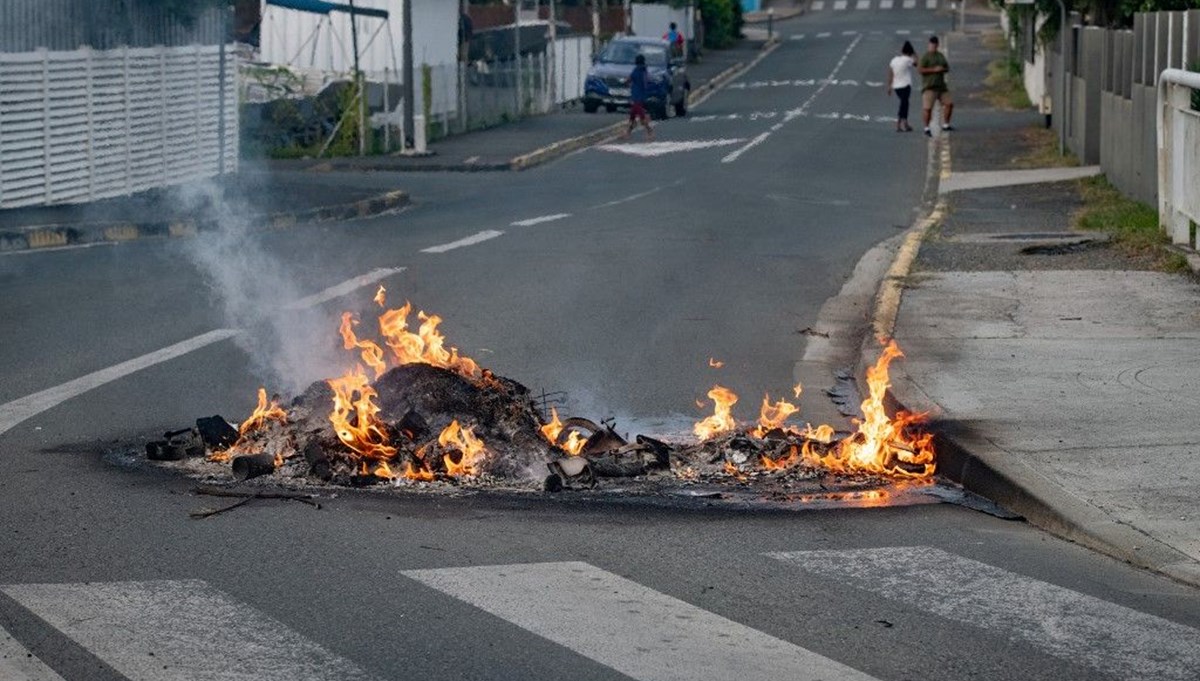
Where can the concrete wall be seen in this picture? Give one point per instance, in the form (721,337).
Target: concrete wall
(1112,77)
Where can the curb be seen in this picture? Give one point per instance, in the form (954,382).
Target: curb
(57,236)
(783,15)
(983,468)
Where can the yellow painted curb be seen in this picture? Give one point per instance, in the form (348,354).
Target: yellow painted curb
(46,238)
(121,233)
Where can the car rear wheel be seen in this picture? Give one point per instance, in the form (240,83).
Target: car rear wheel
(610,107)
(591,107)
(681,105)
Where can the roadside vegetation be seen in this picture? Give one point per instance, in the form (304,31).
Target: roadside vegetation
(1005,84)
(1132,226)
(1040,150)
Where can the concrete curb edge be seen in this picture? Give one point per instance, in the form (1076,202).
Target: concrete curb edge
(984,468)
(56,236)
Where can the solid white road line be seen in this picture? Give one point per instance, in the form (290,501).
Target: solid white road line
(468,241)
(799,111)
(26,407)
(348,286)
(17,664)
(635,630)
(1125,643)
(539,220)
(13,413)
(179,631)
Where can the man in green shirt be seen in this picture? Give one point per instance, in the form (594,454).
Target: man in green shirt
(933,68)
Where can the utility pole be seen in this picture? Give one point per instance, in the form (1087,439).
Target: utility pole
(410,90)
(595,23)
(358,81)
(517,53)
(553,54)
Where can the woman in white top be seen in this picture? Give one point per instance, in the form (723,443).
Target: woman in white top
(900,80)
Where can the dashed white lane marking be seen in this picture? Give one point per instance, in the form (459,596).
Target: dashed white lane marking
(818,5)
(903,31)
(635,197)
(26,407)
(639,632)
(18,664)
(799,111)
(13,413)
(346,287)
(824,34)
(849,33)
(839,5)
(55,249)
(1123,642)
(539,220)
(480,237)
(651,149)
(179,631)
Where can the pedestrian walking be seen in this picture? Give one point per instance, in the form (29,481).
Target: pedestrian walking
(675,39)
(933,68)
(637,98)
(900,80)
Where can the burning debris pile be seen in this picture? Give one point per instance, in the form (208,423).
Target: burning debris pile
(419,412)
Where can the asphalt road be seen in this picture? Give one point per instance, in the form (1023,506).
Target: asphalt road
(727,249)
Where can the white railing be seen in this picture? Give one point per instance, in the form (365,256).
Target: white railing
(84,125)
(1178,154)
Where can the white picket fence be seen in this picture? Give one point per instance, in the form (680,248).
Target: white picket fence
(82,125)
(1179,156)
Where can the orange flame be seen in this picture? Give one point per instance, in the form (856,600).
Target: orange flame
(421,474)
(383,470)
(721,420)
(262,414)
(793,457)
(823,433)
(464,441)
(372,354)
(772,416)
(355,416)
(427,345)
(381,296)
(551,431)
(882,445)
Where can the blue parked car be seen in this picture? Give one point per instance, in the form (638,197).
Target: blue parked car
(607,81)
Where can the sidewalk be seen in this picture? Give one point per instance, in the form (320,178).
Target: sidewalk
(1060,370)
(276,194)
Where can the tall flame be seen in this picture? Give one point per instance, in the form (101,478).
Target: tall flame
(355,416)
(372,354)
(882,445)
(464,441)
(721,420)
(427,345)
(772,416)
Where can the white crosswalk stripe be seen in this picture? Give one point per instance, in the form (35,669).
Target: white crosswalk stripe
(637,631)
(839,5)
(909,4)
(885,4)
(17,664)
(862,4)
(1061,622)
(178,631)
(818,5)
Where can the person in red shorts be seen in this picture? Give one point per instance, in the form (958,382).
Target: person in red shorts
(637,98)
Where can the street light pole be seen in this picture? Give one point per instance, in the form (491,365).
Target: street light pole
(410,89)
(1066,93)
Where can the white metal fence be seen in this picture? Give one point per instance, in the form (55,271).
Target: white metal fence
(487,93)
(1179,155)
(84,125)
